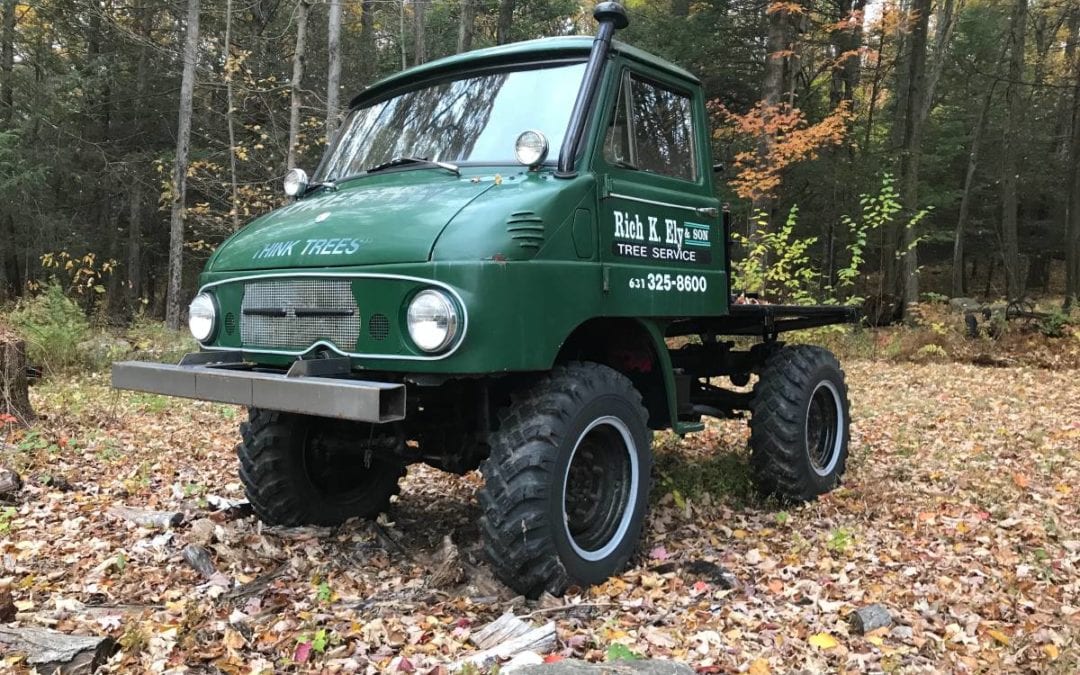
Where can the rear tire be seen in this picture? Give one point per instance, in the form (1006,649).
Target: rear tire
(302,470)
(799,424)
(567,481)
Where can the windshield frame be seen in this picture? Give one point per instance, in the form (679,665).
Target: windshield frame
(480,70)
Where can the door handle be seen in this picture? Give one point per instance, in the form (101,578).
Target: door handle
(710,211)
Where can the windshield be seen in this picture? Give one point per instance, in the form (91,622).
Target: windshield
(475,119)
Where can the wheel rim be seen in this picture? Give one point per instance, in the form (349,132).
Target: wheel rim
(600,482)
(824,428)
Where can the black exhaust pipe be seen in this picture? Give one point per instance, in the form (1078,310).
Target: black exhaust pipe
(611,16)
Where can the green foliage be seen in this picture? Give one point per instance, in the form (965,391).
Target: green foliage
(840,540)
(53,326)
(777,263)
(6,516)
(722,475)
(620,652)
(1055,325)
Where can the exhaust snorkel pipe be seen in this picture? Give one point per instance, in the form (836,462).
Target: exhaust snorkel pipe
(611,16)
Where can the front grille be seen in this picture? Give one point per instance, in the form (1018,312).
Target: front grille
(295,313)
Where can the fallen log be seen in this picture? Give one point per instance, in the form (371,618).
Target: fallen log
(51,651)
(161,520)
(503,639)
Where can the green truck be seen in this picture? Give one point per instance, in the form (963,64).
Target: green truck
(487,270)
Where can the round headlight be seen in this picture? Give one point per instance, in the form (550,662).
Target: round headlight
(432,320)
(296,181)
(531,148)
(202,316)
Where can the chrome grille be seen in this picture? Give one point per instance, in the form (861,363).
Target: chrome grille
(295,313)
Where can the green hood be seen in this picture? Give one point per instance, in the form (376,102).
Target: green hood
(394,218)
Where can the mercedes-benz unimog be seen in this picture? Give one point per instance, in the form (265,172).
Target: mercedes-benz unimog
(485,271)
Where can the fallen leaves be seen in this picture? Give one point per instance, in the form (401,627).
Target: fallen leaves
(959,513)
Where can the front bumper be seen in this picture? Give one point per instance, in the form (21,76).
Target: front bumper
(230,381)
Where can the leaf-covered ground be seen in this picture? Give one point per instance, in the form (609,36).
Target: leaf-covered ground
(960,513)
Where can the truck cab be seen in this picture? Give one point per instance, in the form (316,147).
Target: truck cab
(484,271)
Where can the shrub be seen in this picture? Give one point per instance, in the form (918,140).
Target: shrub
(53,326)
(1054,325)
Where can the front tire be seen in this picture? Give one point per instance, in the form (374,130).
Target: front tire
(567,481)
(799,424)
(302,470)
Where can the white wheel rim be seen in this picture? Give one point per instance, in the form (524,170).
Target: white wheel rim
(630,447)
(838,432)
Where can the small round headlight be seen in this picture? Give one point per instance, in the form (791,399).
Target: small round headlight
(432,319)
(531,148)
(202,317)
(296,181)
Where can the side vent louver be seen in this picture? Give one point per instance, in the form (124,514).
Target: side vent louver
(526,228)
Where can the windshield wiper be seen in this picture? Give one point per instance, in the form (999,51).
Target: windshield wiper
(327,185)
(402,161)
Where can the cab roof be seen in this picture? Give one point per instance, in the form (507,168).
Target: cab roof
(570,46)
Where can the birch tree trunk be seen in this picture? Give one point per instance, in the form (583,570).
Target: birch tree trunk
(333,68)
(297,82)
(1010,165)
(183,146)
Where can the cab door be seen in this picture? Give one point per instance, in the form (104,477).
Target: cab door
(660,235)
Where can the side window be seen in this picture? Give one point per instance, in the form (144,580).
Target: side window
(617,140)
(663,130)
(652,130)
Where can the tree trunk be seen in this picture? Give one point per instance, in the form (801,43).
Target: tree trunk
(369,63)
(50,651)
(333,69)
(505,22)
(135,196)
(466,26)
(1010,165)
(297,82)
(230,113)
(944,23)
(7,111)
(14,387)
(1072,236)
(845,48)
(911,154)
(965,200)
(419,29)
(401,33)
(183,146)
(7,62)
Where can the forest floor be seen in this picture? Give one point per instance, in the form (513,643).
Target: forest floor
(960,512)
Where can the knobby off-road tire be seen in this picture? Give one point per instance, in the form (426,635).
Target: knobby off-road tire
(295,472)
(567,481)
(799,424)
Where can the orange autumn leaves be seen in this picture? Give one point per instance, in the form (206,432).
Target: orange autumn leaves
(780,136)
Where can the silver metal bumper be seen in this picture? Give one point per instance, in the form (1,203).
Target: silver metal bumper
(359,400)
